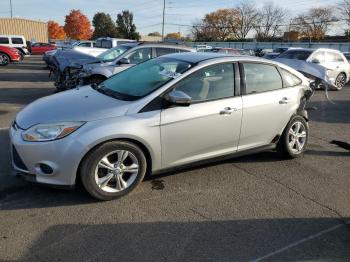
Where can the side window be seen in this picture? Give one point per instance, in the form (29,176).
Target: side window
(98,43)
(17,41)
(4,40)
(164,51)
(334,57)
(106,44)
(290,80)
(320,56)
(212,82)
(261,78)
(140,55)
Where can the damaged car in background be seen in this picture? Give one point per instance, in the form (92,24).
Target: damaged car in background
(336,65)
(74,70)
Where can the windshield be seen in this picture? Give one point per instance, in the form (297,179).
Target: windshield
(142,79)
(296,54)
(111,54)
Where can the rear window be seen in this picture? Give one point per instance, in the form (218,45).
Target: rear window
(4,40)
(17,41)
(290,79)
(296,54)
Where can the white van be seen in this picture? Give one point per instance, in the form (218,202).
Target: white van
(16,41)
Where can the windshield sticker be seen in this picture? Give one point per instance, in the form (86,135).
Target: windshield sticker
(169,74)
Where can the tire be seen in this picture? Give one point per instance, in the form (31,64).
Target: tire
(340,82)
(102,169)
(4,59)
(293,141)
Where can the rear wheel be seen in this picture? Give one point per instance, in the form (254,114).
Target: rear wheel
(340,81)
(113,169)
(293,141)
(4,59)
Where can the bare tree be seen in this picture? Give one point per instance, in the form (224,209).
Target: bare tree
(314,24)
(268,21)
(344,10)
(247,17)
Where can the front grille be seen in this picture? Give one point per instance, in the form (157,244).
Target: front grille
(17,160)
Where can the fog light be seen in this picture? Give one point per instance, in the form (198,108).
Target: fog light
(45,169)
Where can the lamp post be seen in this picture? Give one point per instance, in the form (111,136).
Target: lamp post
(11,7)
(163,20)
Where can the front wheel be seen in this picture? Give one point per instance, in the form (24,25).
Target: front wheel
(113,169)
(4,59)
(340,81)
(293,141)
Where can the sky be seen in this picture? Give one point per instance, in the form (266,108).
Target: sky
(147,13)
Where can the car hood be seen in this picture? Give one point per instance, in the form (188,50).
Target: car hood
(83,104)
(307,68)
(68,57)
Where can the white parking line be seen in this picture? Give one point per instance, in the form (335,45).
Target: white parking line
(300,242)
(4,128)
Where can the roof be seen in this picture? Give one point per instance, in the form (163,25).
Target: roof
(197,57)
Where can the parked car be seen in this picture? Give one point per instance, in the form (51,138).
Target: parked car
(165,113)
(347,55)
(100,45)
(16,41)
(336,63)
(276,52)
(9,54)
(224,50)
(41,48)
(122,57)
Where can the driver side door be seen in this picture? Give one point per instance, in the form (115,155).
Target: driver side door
(210,126)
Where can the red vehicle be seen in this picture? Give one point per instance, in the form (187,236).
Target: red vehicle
(41,48)
(9,54)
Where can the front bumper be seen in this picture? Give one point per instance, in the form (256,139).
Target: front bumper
(61,156)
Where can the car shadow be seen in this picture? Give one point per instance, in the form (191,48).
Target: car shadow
(288,239)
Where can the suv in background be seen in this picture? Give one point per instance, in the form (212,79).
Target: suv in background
(124,56)
(338,69)
(16,41)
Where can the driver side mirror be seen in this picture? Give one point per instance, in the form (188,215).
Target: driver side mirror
(124,61)
(178,98)
(315,61)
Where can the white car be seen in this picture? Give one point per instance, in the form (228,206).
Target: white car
(15,41)
(101,45)
(338,69)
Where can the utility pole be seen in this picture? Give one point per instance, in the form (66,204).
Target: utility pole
(11,7)
(163,20)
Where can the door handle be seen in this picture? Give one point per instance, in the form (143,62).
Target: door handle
(284,100)
(227,111)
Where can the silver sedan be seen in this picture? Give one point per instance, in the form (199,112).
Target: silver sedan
(165,113)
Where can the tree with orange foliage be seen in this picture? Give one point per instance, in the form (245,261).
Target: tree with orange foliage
(176,35)
(55,31)
(77,26)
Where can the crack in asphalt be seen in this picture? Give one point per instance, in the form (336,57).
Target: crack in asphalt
(339,218)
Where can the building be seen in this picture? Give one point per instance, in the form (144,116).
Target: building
(30,29)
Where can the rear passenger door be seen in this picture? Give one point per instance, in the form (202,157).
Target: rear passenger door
(267,104)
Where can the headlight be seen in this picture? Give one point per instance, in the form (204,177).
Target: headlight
(49,132)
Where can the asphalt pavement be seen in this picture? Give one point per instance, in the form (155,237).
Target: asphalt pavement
(254,208)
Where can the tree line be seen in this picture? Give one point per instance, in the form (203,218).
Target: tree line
(268,22)
(77,26)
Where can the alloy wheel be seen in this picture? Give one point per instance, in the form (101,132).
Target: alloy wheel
(4,60)
(297,135)
(340,81)
(116,171)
